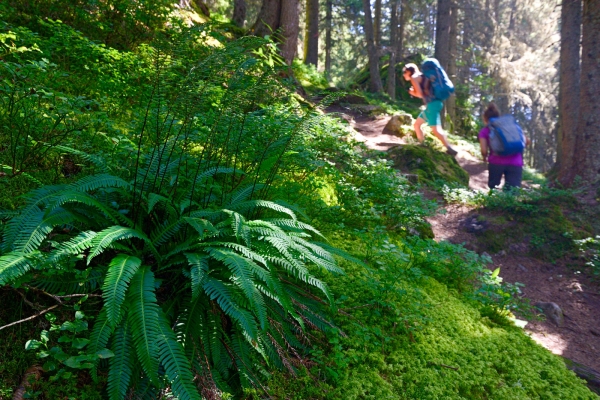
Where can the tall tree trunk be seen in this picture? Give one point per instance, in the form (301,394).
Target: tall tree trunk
(239,12)
(268,18)
(588,140)
(329,27)
(453,55)
(568,90)
(391,78)
(400,34)
(442,38)
(284,15)
(290,24)
(375,84)
(377,24)
(442,32)
(311,36)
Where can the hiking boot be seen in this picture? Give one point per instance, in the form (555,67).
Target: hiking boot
(451,151)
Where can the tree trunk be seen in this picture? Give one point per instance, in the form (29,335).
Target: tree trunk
(400,34)
(391,78)
(239,12)
(442,32)
(375,84)
(588,141)
(442,38)
(284,15)
(311,36)
(268,18)
(568,96)
(329,27)
(290,24)
(377,24)
(453,54)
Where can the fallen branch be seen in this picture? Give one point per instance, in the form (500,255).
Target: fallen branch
(30,318)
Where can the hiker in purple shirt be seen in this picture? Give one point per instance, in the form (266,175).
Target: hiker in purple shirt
(509,166)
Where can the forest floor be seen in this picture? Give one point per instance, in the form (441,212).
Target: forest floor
(559,282)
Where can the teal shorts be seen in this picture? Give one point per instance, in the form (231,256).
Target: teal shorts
(431,114)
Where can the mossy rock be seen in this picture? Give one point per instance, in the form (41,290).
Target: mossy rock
(428,163)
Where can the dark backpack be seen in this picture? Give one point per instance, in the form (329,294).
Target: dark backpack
(506,136)
(441,85)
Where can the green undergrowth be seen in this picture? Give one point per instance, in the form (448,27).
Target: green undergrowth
(543,220)
(404,335)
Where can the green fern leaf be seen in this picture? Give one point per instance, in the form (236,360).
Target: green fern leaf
(35,230)
(120,271)
(202,226)
(99,338)
(164,233)
(199,272)
(93,182)
(75,246)
(91,158)
(142,316)
(176,365)
(217,290)
(121,365)
(106,237)
(15,264)
(250,204)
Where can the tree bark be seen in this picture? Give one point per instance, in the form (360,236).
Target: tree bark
(268,18)
(375,84)
(453,54)
(239,12)
(442,32)
(377,24)
(391,78)
(400,34)
(568,96)
(284,15)
(587,152)
(442,39)
(311,36)
(329,27)
(290,25)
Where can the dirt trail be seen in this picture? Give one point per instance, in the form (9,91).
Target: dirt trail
(578,297)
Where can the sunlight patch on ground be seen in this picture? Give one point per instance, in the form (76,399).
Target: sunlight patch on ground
(551,341)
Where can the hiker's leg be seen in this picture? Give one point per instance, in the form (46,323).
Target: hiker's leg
(440,134)
(495,172)
(512,176)
(417,125)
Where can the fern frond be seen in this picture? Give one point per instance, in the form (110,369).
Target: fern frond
(91,158)
(15,264)
(250,204)
(121,365)
(177,367)
(120,271)
(294,224)
(217,290)
(242,194)
(202,226)
(73,196)
(74,246)
(93,182)
(35,230)
(199,272)
(106,237)
(99,338)
(162,234)
(142,316)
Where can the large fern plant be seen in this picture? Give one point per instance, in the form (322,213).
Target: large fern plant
(204,283)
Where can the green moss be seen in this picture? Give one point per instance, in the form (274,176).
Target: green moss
(428,163)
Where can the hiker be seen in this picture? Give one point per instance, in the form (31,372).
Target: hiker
(421,87)
(510,166)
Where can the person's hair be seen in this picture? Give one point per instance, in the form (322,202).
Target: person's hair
(491,112)
(410,67)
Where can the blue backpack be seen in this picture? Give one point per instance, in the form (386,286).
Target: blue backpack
(440,83)
(506,136)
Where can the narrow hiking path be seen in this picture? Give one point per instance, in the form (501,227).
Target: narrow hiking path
(579,298)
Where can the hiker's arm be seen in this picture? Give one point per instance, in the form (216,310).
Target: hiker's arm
(415,90)
(483,145)
(527,140)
